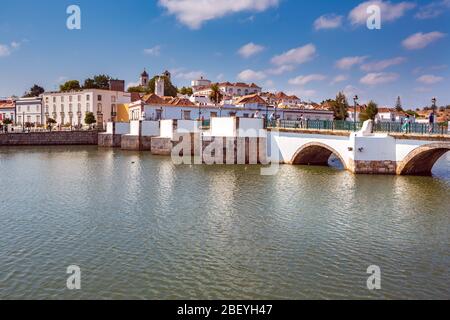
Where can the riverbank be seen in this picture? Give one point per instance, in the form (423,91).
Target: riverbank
(49,138)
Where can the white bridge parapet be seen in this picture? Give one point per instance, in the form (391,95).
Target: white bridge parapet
(358,152)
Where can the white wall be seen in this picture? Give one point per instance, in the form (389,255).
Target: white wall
(121,128)
(149,128)
(289,143)
(223,127)
(167,127)
(188,126)
(251,128)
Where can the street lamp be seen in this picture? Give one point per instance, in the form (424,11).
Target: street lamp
(355,100)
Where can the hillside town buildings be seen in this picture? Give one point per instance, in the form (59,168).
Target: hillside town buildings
(29,111)
(7,110)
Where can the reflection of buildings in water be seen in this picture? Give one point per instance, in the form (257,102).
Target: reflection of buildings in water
(166,182)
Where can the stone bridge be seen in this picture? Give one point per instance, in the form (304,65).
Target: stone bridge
(372,154)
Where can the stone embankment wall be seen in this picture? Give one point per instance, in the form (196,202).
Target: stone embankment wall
(49,138)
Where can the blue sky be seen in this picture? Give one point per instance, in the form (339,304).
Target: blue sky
(310,48)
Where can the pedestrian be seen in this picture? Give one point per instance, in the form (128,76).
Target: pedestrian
(431,121)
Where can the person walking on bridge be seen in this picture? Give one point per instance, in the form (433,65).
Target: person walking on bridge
(431,121)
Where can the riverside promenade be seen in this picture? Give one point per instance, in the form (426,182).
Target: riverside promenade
(373,149)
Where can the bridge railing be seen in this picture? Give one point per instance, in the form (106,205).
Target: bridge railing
(350,126)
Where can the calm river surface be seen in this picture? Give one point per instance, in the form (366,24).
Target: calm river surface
(139,227)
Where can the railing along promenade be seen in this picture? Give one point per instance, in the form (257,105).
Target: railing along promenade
(349,126)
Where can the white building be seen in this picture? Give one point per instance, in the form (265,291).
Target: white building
(29,110)
(70,108)
(7,110)
(153,107)
(229,89)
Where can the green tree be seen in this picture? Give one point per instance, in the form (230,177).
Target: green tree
(7,121)
(100,81)
(186,91)
(139,89)
(169,89)
(71,85)
(35,91)
(370,112)
(216,95)
(340,106)
(398,105)
(89,119)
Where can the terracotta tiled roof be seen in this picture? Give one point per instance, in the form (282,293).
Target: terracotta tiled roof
(6,104)
(153,99)
(182,102)
(253,98)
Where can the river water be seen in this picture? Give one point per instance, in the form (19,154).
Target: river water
(141,228)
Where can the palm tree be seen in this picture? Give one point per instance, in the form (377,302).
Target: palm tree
(216,95)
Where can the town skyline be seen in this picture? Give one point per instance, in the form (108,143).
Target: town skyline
(331,50)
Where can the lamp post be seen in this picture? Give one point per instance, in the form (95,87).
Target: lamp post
(434,107)
(355,101)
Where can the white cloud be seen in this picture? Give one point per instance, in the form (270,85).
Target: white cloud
(250,49)
(339,78)
(351,91)
(295,56)
(373,79)
(155,51)
(328,21)
(383,64)
(7,50)
(133,84)
(433,10)
(389,11)
(193,13)
(281,69)
(186,75)
(429,79)
(250,75)
(421,40)
(303,80)
(348,62)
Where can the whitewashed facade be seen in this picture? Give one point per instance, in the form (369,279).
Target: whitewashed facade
(29,110)
(70,108)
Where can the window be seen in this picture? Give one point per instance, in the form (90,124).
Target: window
(29,119)
(79,107)
(28,108)
(99,107)
(70,98)
(19,109)
(62,108)
(88,107)
(38,120)
(54,99)
(113,99)
(54,108)
(70,107)
(46,108)
(62,98)
(186,115)
(99,97)
(88,97)
(79,98)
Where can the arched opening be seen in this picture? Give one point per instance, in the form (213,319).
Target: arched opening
(318,154)
(421,161)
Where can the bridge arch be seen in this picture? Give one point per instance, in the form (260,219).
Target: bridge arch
(420,161)
(316,154)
